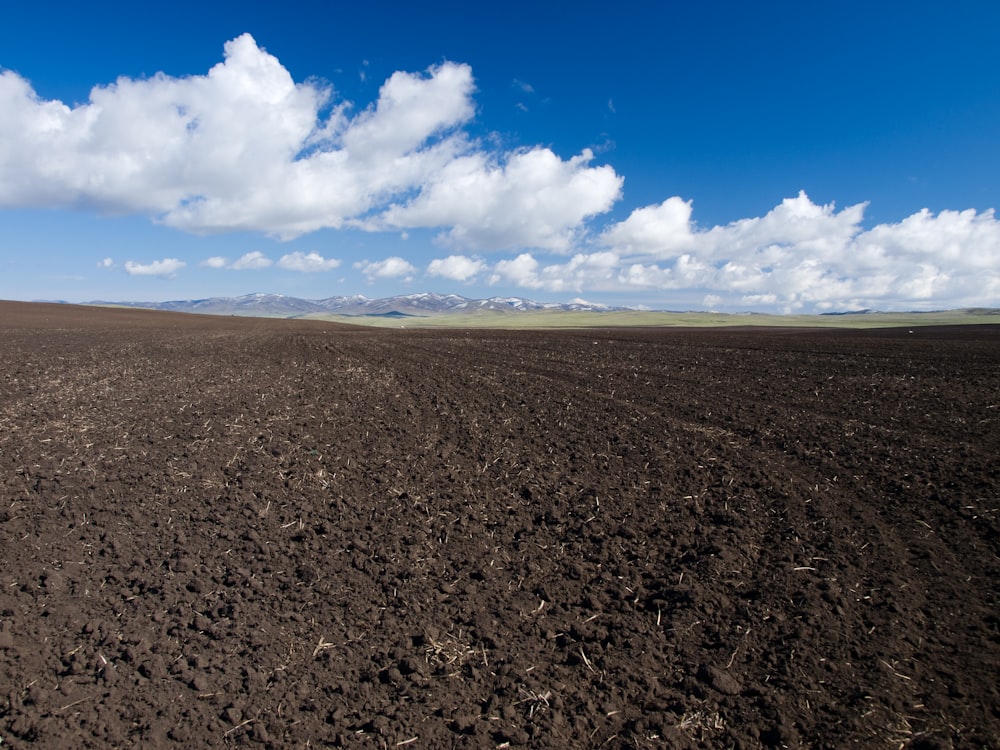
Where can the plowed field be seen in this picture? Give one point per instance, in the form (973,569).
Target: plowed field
(265,533)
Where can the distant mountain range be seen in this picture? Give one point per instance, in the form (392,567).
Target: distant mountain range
(279,305)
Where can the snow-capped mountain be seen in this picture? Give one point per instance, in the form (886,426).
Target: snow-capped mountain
(426,303)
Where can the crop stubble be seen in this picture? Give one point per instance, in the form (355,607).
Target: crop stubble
(226,531)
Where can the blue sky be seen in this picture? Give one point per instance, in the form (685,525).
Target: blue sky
(776,156)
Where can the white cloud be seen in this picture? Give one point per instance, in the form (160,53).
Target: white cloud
(410,110)
(654,230)
(167,268)
(256,260)
(638,275)
(583,271)
(803,255)
(533,199)
(521,271)
(665,230)
(252,261)
(307,262)
(390,268)
(161,145)
(245,147)
(456,267)
(106,263)
(799,256)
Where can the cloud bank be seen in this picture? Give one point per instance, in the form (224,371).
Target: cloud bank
(246,148)
(799,256)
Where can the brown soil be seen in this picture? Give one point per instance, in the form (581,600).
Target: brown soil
(223,531)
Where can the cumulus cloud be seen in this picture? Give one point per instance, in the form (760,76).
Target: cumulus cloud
(654,230)
(245,147)
(390,268)
(256,260)
(307,262)
(804,255)
(799,256)
(583,271)
(166,268)
(531,199)
(521,271)
(252,261)
(106,263)
(456,267)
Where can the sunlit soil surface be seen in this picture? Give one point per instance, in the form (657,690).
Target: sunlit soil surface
(225,531)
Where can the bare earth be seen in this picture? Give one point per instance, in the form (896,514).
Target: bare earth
(266,533)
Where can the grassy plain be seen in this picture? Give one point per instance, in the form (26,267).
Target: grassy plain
(557,319)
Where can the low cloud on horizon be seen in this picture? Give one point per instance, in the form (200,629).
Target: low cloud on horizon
(245,148)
